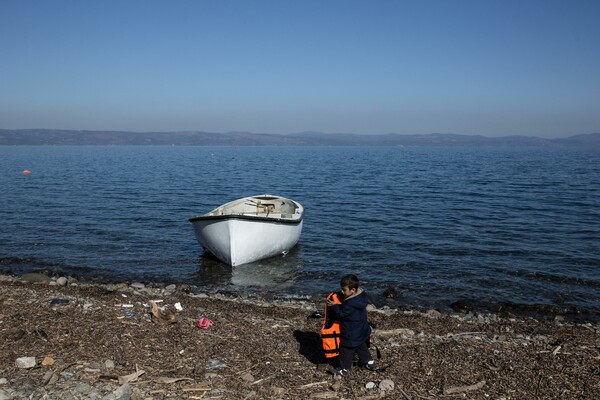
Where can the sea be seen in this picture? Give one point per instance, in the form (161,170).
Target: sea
(513,230)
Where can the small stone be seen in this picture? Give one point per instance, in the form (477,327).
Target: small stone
(336,386)
(370,385)
(25,362)
(109,364)
(277,391)
(386,385)
(62,281)
(137,394)
(50,377)
(433,314)
(170,288)
(83,388)
(138,285)
(247,378)
(123,393)
(3,381)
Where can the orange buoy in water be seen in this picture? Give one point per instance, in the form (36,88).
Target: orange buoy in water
(26,172)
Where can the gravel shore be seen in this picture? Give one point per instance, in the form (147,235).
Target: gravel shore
(63,339)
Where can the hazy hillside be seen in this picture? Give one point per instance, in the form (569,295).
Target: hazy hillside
(78,138)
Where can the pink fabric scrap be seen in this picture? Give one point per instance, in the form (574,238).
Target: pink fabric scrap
(204,323)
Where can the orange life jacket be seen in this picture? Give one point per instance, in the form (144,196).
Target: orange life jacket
(330,331)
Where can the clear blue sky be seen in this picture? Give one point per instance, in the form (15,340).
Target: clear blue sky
(527,67)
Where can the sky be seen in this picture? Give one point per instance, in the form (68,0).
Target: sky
(481,67)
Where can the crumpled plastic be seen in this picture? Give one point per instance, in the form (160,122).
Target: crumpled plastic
(204,323)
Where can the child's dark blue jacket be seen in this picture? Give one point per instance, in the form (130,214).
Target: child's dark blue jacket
(352,314)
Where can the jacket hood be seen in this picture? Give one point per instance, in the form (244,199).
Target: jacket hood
(357,300)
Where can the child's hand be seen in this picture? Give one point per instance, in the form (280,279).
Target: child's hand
(330,302)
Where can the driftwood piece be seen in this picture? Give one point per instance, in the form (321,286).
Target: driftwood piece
(309,385)
(164,379)
(131,377)
(462,389)
(393,332)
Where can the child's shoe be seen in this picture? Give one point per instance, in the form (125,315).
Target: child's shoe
(339,371)
(371,366)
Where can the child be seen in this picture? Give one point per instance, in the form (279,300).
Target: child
(355,328)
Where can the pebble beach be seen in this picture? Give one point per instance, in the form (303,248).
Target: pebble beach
(66,339)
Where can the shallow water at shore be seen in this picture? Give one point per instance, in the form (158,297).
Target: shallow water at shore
(519,228)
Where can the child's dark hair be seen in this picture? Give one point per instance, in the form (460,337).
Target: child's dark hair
(349,281)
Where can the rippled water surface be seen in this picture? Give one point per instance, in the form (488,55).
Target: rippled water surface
(489,225)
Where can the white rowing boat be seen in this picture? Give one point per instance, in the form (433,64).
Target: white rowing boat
(250,228)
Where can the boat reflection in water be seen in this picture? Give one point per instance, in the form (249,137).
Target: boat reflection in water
(270,275)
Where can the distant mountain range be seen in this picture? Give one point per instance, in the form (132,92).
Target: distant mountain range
(52,137)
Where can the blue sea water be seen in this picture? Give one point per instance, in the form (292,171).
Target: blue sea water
(517,227)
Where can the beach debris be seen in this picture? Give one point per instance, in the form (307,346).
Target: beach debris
(556,350)
(370,385)
(167,380)
(162,317)
(178,306)
(215,364)
(316,314)
(26,172)
(201,387)
(62,281)
(309,385)
(393,332)
(131,377)
(463,389)
(47,361)
(129,313)
(59,301)
(204,323)
(324,395)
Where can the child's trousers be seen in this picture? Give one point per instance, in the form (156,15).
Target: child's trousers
(347,354)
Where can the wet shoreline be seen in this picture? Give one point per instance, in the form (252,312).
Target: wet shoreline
(380,297)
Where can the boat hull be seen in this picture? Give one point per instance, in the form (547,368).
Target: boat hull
(250,229)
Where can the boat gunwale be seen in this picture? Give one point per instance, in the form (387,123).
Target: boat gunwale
(256,218)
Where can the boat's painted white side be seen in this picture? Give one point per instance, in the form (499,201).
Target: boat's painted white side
(250,229)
